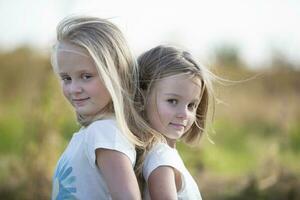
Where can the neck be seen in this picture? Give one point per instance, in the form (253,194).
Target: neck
(171,143)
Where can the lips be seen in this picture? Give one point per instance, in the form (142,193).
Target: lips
(79,101)
(177,125)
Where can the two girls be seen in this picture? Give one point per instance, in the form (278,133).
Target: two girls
(99,78)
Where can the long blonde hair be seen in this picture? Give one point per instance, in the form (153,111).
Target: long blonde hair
(115,64)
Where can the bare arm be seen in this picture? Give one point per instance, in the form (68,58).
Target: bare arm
(162,184)
(118,174)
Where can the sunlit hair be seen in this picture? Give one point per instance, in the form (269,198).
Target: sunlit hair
(115,64)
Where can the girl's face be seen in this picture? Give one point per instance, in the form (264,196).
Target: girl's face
(171,105)
(81,83)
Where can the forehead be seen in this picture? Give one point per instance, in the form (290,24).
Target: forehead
(72,57)
(67,47)
(180,84)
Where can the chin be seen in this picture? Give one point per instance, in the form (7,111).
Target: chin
(84,112)
(174,136)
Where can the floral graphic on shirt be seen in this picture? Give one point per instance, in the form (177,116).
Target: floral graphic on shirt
(63,183)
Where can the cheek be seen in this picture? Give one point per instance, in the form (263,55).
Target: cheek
(192,118)
(152,114)
(191,121)
(65,90)
(98,89)
(164,111)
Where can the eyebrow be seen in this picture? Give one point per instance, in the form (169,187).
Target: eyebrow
(80,71)
(62,73)
(177,95)
(172,94)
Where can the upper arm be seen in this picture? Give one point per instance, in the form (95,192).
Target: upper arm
(161,183)
(118,174)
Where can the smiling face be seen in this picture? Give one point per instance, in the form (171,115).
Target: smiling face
(171,105)
(81,83)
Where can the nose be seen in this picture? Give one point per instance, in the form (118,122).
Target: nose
(182,113)
(75,87)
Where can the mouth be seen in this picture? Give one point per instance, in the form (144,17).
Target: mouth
(79,101)
(177,125)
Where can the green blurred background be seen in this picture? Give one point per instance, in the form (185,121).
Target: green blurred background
(256,131)
(251,150)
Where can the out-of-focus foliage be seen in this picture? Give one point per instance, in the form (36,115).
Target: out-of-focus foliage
(256,130)
(227,55)
(32,116)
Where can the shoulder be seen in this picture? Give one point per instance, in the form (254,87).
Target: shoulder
(162,152)
(105,134)
(103,125)
(161,155)
(106,130)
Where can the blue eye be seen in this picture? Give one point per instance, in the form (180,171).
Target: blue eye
(172,101)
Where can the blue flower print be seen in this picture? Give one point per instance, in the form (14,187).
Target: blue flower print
(63,183)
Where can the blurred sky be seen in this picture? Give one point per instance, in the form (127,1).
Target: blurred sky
(256,27)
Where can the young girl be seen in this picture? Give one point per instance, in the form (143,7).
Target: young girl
(176,93)
(95,66)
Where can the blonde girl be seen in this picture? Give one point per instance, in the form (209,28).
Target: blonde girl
(96,69)
(175,96)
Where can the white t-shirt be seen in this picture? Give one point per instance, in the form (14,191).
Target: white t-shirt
(77,175)
(163,155)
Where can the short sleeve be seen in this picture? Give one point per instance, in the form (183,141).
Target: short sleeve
(105,134)
(160,155)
